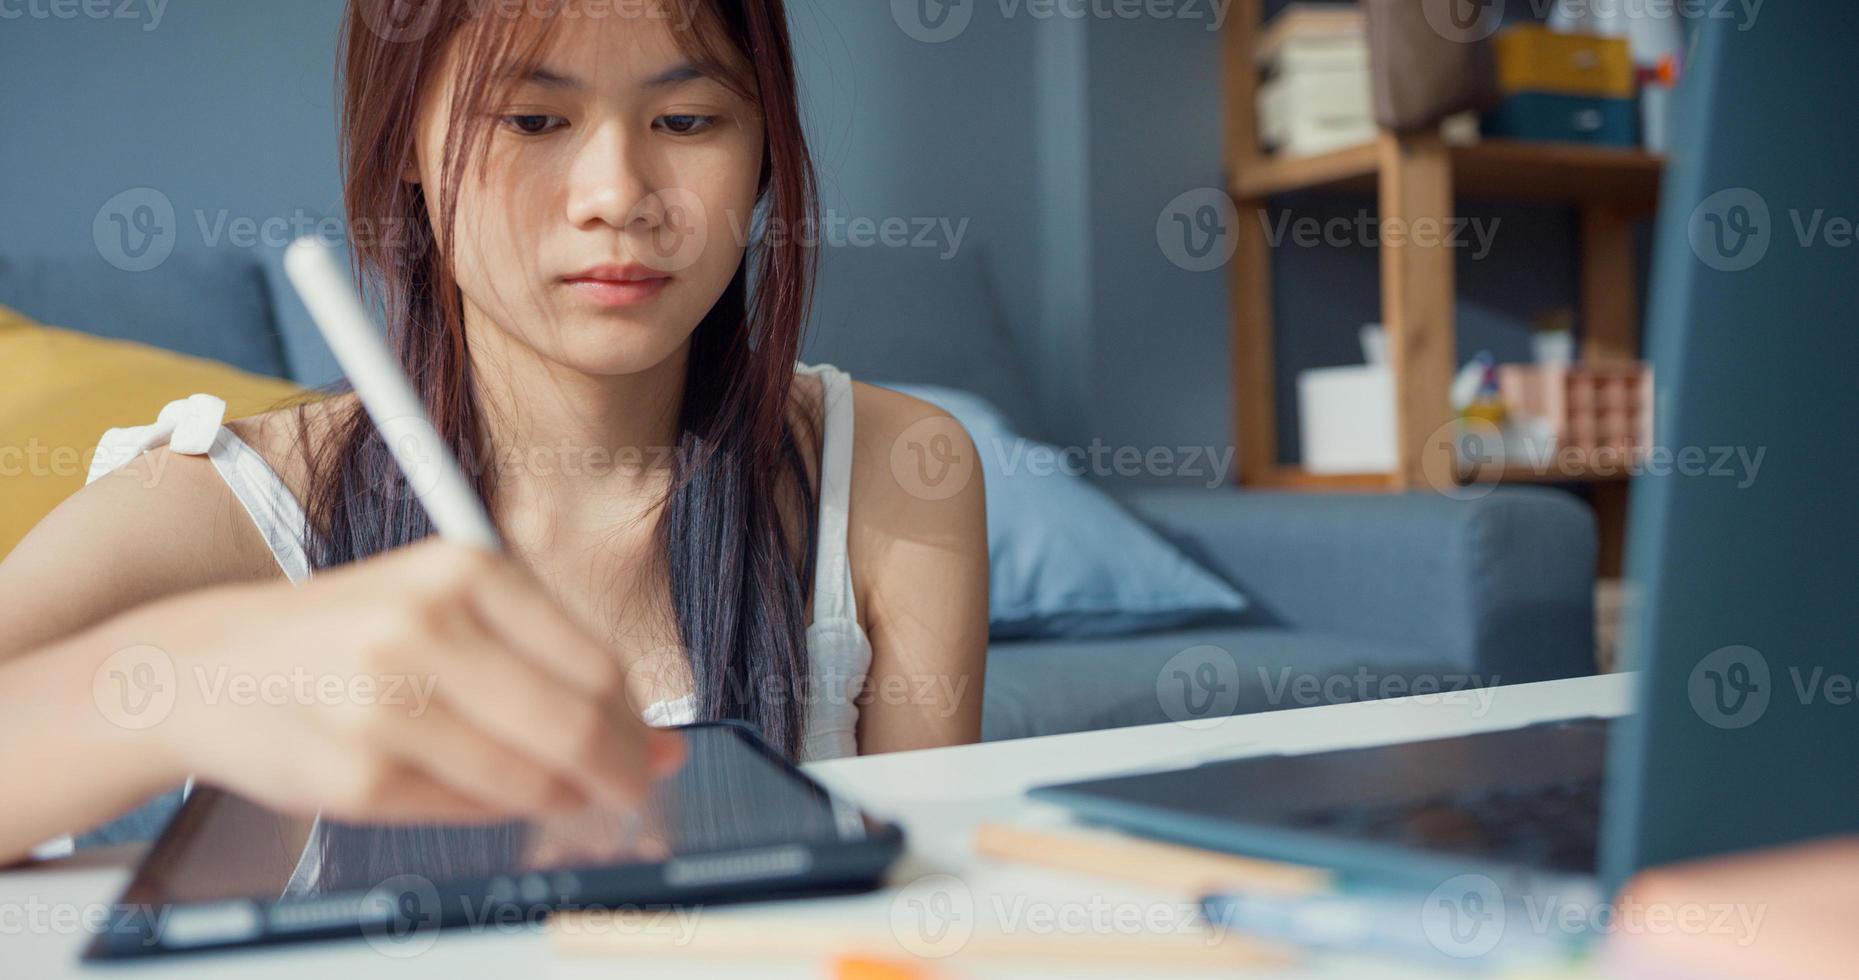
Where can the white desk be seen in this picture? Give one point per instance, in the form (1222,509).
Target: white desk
(938,795)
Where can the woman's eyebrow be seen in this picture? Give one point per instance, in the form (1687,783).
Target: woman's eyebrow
(550,78)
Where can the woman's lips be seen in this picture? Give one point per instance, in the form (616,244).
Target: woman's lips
(616,293)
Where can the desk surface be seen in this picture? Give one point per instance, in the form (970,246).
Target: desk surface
(938,795)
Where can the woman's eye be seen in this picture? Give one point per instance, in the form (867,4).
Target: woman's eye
(685,125)
(532,125)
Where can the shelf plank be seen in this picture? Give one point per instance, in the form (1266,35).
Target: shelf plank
(1570,173)
(1291,477)
(1299,479)
(1493,170)
(1524,473)
(1350,168)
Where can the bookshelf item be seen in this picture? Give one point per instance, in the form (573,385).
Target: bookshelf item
(1419,178)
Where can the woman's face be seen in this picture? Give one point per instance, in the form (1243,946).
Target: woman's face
(610,214)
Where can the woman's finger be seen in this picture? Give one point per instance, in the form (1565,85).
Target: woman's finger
(458,755)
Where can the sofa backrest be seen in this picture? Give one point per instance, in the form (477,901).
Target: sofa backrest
(884,314)
(208,304)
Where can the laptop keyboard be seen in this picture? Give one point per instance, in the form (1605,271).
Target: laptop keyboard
(1555,827)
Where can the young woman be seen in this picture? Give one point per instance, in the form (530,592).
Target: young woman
(554,203)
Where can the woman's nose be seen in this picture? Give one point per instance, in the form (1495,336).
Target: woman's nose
(608,184)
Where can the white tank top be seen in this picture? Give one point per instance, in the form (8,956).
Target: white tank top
(838,651)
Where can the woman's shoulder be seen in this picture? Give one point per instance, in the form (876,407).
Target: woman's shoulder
(285,438)
(160,522)
(916,478)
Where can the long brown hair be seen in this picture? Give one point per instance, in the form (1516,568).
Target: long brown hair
(737,573)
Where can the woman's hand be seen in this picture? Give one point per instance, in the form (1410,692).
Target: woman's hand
(432,683)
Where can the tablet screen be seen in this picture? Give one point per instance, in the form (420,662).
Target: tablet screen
(731,795)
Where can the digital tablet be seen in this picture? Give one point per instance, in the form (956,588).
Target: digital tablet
(737,822)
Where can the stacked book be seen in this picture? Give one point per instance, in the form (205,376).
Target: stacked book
(1315,97)
(1574,88)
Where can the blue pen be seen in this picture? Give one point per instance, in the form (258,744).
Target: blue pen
(1467,921)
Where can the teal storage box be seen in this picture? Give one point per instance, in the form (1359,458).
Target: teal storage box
(1565,119)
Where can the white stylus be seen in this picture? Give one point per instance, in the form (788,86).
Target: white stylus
(385,392)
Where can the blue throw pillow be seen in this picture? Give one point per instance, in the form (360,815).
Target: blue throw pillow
(1064,560)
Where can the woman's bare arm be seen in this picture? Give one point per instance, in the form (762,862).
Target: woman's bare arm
(919,553)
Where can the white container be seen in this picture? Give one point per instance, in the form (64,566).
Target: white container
(1308,112)
(1346,419)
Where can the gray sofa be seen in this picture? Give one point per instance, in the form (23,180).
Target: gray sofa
(1351,595)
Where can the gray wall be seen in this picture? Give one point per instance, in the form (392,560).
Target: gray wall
(1059,141)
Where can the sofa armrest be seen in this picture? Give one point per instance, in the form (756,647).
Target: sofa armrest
(1502,585)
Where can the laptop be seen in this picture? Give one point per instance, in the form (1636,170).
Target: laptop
(1743,622)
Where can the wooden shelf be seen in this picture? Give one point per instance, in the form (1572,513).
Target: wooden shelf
(1494,170)
(1298,478)
(1418,177)
(1288,477)
(1525,473)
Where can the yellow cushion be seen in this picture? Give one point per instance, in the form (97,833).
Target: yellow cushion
(59,391)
